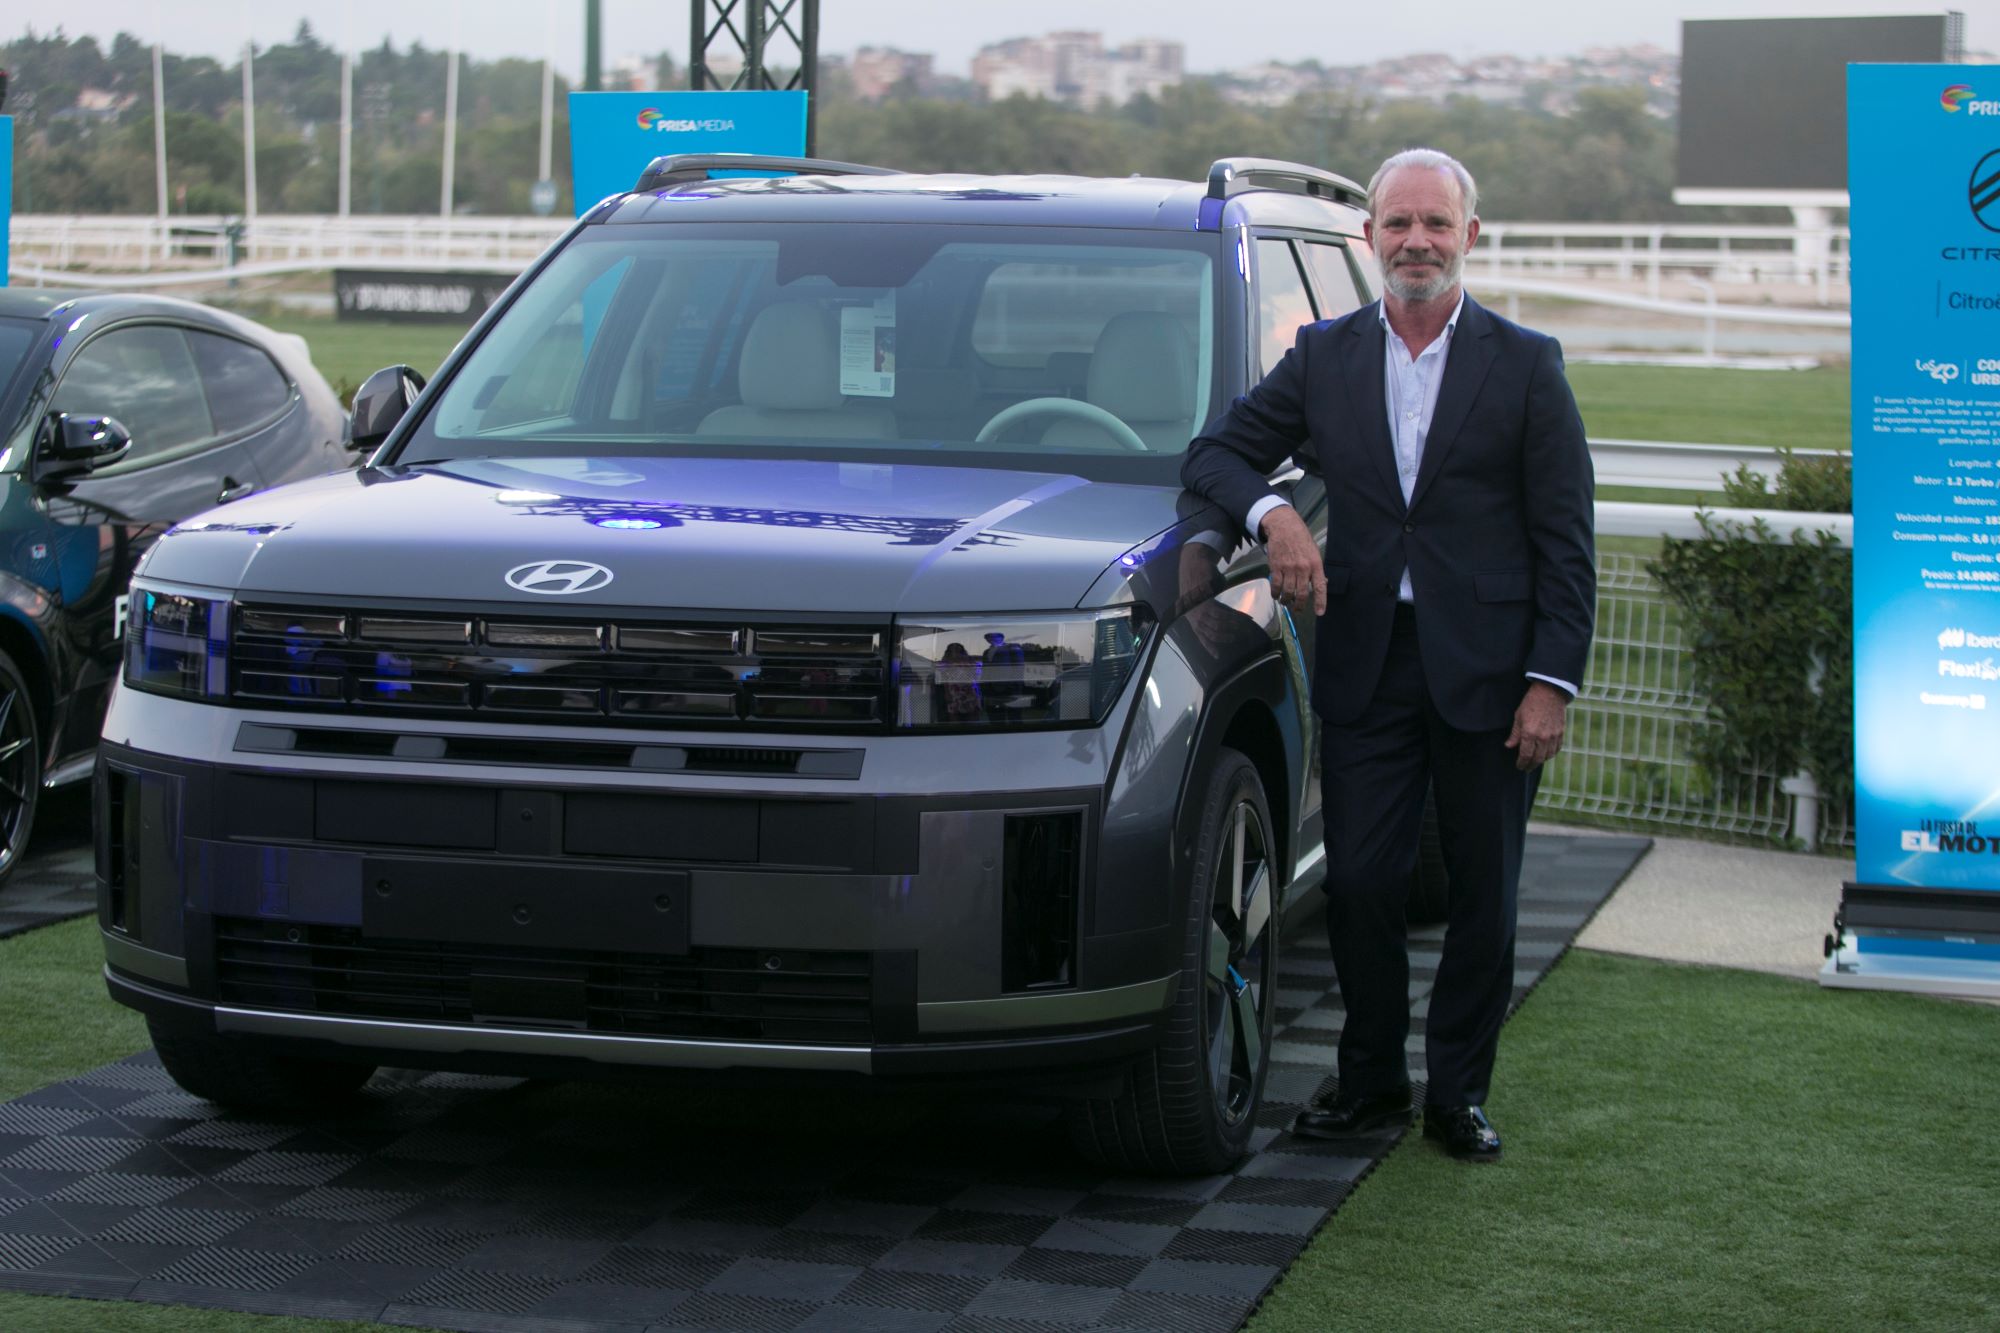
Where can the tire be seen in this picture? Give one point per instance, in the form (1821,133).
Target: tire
(1189,1105)
(1429,899)
(238,1073)
(20,766)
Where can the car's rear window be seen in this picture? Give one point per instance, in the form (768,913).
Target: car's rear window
(1027,343)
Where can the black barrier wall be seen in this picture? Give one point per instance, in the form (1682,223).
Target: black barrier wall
(409,296)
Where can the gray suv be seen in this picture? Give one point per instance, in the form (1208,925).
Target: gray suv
(777,641)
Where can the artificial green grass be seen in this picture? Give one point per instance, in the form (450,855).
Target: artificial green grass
(349,351)
(56,1021)
(1690,1148)
(46,1314)
(1799,409)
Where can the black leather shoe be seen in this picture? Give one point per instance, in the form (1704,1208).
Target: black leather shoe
(1339,1117)
(1466,1132)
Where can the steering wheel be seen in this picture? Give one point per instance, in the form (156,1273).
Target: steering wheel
(1061,407)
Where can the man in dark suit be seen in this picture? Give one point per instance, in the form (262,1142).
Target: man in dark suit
(1455,601)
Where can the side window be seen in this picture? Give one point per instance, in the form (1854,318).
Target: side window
(1282,302)
(1337,293)
(245,387)
(1371,271)
(145,377)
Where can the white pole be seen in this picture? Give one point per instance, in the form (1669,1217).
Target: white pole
(160,134)
(548,89)
(450,115)
(346,128)
(249,134)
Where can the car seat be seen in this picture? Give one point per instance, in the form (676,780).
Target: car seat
(789,381)
(1142,372)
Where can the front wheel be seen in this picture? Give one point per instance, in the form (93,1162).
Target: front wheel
(239,1073)
(20,766)
(1190,1103)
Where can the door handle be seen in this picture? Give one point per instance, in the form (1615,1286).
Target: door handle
(233,490)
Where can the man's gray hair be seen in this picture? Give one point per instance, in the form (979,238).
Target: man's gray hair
(1430,159)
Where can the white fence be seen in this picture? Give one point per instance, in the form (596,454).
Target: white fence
(146,244)
(1624,252)
(1810,256)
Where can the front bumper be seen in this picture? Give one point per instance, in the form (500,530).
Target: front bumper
(435,916)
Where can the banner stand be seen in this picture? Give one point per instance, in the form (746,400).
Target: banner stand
(1930,941)
(1923,180)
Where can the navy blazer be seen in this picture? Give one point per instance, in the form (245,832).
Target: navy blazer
(1497,535)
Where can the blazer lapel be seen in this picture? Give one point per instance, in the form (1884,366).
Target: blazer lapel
(1470,357)
(1362,366)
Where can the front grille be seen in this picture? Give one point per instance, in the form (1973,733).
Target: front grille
(627,672)
(781,995)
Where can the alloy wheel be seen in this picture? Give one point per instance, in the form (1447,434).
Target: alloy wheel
(1237,980)
(20,774)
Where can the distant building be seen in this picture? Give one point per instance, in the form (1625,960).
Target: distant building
(1546,84)
(1076,67)
(876,71)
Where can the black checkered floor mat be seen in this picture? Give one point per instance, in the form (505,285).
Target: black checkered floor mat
(56,880)
(500,1204)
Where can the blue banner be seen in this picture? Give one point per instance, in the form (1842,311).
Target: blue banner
(613,136)
(6,190)
(1924,181)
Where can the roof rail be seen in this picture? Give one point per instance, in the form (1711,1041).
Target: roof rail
(1235,175)
(680,168)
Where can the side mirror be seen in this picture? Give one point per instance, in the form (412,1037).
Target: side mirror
(380,403)
(70,443)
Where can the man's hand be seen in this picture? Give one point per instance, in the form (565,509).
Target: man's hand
(1538,725)
(1298,574)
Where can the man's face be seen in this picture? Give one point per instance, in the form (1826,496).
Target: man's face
(1420,232)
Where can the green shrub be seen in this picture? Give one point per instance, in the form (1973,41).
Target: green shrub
(1772,634)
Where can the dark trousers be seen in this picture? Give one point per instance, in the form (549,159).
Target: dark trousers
(1375,770)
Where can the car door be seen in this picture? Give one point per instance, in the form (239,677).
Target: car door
(1284,300)
(98,524)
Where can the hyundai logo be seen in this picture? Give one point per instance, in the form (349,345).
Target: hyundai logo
(558,578)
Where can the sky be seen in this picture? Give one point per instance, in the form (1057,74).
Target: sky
(1335,32)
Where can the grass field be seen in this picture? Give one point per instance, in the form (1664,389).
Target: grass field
(1690,1148)
(349,351)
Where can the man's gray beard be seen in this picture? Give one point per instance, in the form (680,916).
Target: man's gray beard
(1404,288)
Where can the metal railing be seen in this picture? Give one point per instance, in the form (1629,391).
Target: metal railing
(146,244)
(1629,252)
(1618,251)
(1629,755)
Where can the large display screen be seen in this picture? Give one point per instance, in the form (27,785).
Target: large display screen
(1761,98)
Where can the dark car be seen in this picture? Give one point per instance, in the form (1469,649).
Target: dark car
(124,414)
(776,641)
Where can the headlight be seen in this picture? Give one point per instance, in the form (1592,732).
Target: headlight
(1028,670)
(177,644)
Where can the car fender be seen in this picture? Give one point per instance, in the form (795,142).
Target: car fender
(1212,665)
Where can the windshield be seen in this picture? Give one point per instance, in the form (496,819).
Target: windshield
(1009,346)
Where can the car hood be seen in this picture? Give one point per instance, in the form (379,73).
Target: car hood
(738,534)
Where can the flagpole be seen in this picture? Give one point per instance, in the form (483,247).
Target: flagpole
(347,114)
(548,90)
(249,130)
(450,115)
(160,132)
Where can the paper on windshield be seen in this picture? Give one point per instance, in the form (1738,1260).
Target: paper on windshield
(868,348)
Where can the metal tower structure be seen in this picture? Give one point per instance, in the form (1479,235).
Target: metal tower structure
(774,44)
